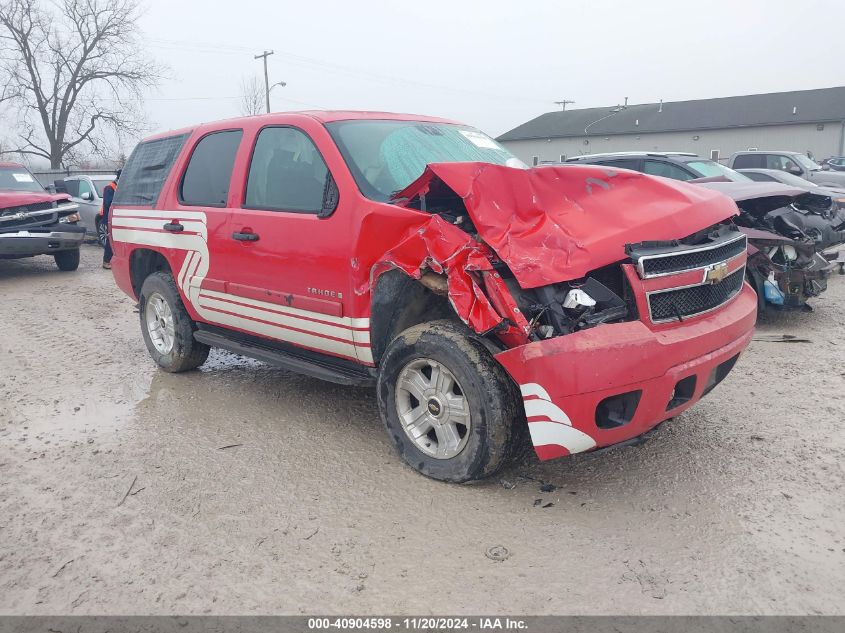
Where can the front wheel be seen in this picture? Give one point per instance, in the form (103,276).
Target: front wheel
(102,232)
(451,409)
(67,260)
(167,327)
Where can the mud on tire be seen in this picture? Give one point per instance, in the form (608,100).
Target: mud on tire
(496,417)
(185,352)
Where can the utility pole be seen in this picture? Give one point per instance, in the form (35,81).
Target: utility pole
(563,103)
(265,55)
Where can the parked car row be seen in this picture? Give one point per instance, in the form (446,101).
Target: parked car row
(789,221)
(794,163)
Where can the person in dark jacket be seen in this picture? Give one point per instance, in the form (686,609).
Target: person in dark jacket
(108,196)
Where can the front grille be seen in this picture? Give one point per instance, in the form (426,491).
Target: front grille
(669,305)
(654,265)
(28,221)
(29,208)
(28,216)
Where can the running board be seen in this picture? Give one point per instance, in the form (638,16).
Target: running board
(323,368)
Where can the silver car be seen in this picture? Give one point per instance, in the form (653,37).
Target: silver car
(87,192)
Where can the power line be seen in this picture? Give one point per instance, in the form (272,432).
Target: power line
(310,62)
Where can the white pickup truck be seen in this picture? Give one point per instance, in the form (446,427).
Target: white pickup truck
(794,163)
(87,192)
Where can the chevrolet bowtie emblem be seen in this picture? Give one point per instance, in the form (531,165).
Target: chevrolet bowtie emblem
(715,273)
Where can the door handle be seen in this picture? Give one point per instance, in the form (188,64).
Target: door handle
(175,227)
(245,237)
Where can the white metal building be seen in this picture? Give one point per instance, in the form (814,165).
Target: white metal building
(808,121)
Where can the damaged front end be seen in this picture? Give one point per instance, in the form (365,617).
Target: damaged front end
(616,300)
(786,234)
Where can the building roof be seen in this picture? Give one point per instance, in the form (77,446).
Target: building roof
(774,108)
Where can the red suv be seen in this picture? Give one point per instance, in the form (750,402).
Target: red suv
(480,297)
(35,222)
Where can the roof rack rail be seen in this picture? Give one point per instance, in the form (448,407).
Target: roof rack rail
(641,153)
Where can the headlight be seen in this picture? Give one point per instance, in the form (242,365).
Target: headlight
(70,219)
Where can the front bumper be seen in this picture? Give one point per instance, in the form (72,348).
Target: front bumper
(51,239)
(580,390)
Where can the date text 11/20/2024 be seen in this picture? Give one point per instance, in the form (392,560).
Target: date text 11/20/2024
(418,624)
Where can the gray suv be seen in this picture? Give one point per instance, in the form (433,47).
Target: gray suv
(794,163)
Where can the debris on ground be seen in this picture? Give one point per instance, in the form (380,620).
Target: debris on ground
(780,338)
(132,485)
(497,553)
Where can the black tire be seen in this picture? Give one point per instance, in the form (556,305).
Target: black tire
(492,397)
(102,232)
(67,260)
(186,352)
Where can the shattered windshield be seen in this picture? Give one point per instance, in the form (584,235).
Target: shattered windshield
(18,179)
(387,156)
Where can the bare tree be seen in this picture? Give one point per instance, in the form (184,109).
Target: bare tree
(252,96)
(75,74)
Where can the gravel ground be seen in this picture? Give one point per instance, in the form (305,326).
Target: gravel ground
(242,488)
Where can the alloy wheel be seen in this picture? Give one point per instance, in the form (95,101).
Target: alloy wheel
(432,408)
(160,323)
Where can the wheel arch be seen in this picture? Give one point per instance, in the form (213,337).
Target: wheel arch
(143,262)
(399,301)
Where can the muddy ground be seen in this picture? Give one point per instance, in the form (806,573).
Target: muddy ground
(242,488)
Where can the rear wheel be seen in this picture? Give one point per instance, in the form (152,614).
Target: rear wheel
(67,260)
(451,409)
(167,327)
(102,232)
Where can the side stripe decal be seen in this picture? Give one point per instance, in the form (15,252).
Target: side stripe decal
(342,336)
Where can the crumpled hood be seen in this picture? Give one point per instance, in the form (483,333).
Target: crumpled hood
(10,198)
(554,224)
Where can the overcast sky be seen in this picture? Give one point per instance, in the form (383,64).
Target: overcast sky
(493,64)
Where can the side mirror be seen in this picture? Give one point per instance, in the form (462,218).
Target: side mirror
(88,196)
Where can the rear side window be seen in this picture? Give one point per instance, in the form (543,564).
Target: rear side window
(146,170)
(287,173)
(206,180)
(624,163)
(754,175)
(749,160)
(667,170)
